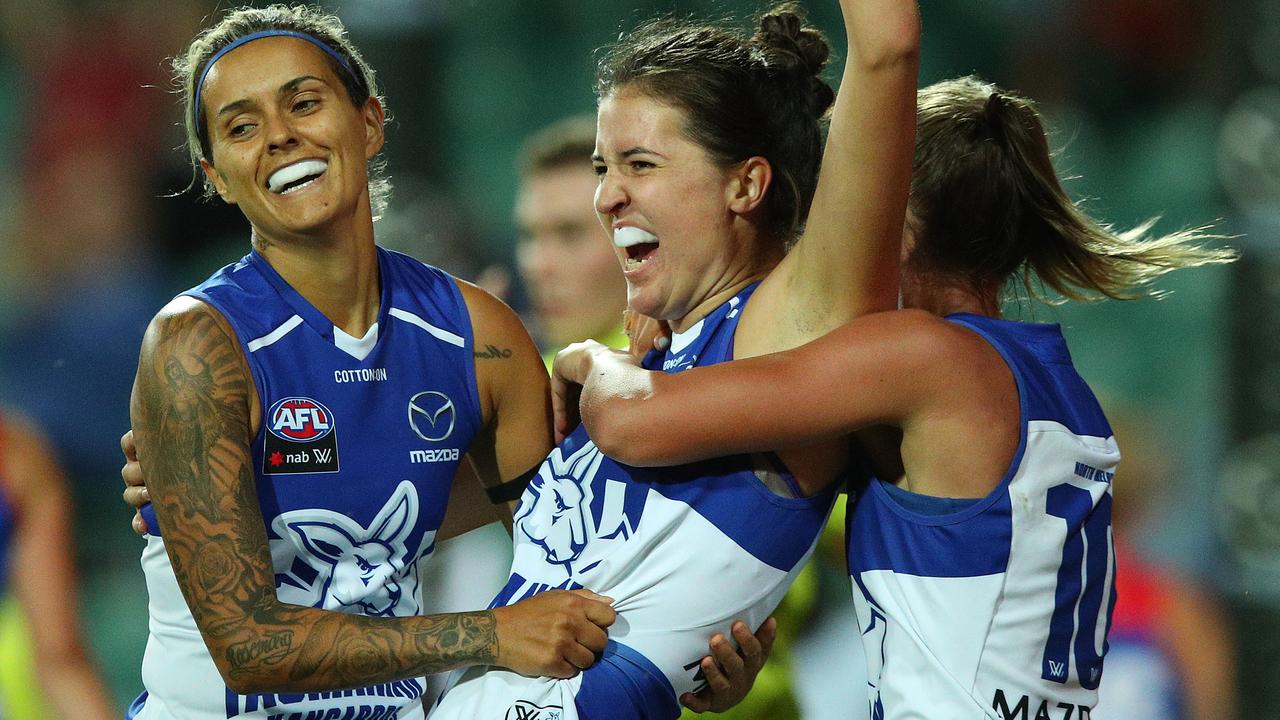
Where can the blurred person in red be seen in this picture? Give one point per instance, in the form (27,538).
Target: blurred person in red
(38,573)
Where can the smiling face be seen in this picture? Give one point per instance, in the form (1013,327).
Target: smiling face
(288,145)
(687,223)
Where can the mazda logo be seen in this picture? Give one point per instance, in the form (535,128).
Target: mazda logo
(431,415)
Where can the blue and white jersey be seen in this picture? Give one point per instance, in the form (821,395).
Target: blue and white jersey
(998,607)
(359,441)
(683,552)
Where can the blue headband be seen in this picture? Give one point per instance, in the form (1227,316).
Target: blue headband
(346,65)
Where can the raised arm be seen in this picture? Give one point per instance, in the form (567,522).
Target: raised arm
(43,574)
(846,262)
(191,409)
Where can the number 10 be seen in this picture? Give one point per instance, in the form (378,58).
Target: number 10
(1082,586)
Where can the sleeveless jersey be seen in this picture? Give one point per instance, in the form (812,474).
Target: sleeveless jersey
(999,609)
(683,551)
(354,460)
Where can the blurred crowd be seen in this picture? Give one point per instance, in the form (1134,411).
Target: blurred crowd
(1165,108)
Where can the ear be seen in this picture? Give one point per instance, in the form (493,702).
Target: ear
(375,120)
(219,184)
(748,182)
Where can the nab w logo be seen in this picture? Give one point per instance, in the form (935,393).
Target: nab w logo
(299,419)
(1057,669)
(339,564)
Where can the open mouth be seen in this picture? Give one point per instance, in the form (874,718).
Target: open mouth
(639,245)
(292,178)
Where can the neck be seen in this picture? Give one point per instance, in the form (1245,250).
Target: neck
(942,295)
(761,257)
(339,276)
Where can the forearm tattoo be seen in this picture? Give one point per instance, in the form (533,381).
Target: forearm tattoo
(191,417)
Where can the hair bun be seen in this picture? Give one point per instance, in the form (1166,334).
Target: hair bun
(795,53)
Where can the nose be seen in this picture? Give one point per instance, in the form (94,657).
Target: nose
(279,133)
(611,195)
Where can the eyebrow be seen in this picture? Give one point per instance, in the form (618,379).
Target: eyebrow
(597,157)
(285,89)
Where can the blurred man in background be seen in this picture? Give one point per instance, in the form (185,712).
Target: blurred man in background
(565,261)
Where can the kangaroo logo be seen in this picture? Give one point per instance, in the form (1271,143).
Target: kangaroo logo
(556,519)
(347,567)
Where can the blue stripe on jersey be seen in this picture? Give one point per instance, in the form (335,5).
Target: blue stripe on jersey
(776,530)
(1049,385)
(882,535)
(613,678)
(927,504)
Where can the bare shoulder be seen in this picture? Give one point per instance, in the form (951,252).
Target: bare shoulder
(494,322)
(189,320)
(191,359)
(505,356)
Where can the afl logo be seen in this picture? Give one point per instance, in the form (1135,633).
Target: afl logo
(431,415)
(299,419)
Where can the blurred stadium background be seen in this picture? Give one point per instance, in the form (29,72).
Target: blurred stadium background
(1161,107)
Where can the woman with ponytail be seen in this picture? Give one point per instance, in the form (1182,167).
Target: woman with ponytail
(708,149)
(979,545)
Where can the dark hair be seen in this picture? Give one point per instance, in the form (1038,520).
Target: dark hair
(361,84)
(742,97)
(986,205)
(568,142)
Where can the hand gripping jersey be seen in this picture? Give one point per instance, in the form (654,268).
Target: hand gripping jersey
(683,552)
(998,609)
(356,454)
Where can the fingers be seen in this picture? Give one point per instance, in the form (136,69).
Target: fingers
(716,678)
(579,658)
(139,524)
(128,447)
(598,609)
(753,649)
(728,661)
(697,702)
(136,497)
(765,636)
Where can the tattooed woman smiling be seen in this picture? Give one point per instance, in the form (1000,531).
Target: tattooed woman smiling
(282,494)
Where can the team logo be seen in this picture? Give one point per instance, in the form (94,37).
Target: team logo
(572,515)
(431,415)
(525,710)
(340,564)
(300,438)
(299,419)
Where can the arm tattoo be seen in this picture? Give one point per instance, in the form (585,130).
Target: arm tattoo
(493,352)
(191,415)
